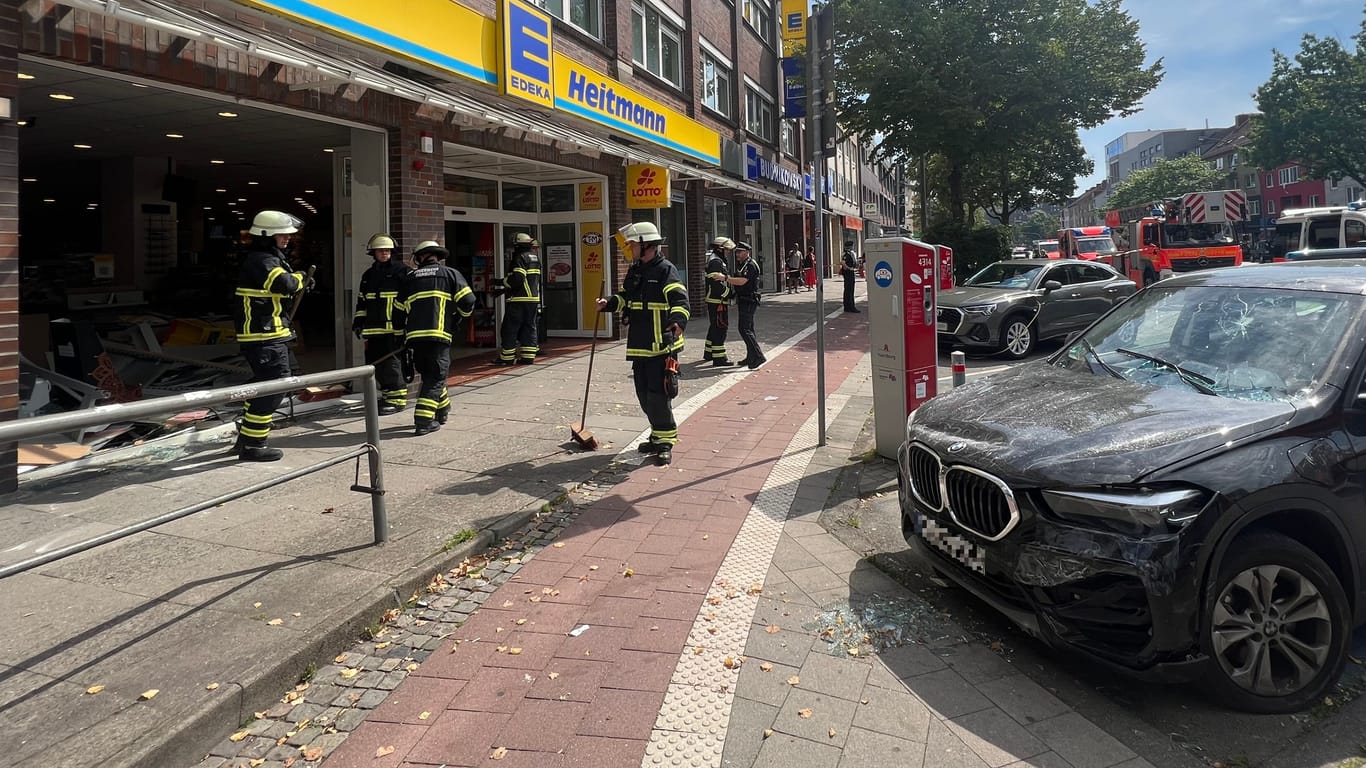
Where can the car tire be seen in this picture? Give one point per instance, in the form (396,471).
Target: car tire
(1251,666)
(1018,336)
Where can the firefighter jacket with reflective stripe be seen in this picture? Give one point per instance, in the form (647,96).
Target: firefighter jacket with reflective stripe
(433,298)
(653,297)
(718,291)
(523,279)
(749,292)
(377,313)
(263,284)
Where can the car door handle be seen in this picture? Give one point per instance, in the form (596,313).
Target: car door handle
(1112,290)
(1073,295)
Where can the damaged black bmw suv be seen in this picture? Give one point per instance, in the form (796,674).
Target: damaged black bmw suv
(1180,491)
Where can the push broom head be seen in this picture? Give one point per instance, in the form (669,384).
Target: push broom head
(584,436)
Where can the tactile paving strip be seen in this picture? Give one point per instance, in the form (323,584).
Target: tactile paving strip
(691,727)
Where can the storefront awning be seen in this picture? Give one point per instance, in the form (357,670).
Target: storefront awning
(473,109)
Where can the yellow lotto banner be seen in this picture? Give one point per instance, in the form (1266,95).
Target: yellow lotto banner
(590,196)
(794,25)
(594,268)
(437,32)
(647,186)
(582,91)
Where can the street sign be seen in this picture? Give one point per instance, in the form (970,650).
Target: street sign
(753,211)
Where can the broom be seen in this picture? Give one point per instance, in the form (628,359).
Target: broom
(582,435)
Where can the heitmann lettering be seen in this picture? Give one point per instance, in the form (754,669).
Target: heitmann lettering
(604,98)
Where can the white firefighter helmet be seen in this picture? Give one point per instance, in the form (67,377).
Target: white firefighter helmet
(723,242)
(430,248)
(643,232)
(267,223)
(379,242)
(523,240)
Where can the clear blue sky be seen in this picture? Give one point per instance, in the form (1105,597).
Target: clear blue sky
(1215,55)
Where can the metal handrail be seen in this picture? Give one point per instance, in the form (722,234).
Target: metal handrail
(23,429)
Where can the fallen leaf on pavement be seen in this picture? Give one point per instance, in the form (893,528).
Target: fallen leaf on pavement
(832,731)
(768,732)
(382,751)
(712,630)
(766,667)
(314,754)
(291,761)
(553,675)
(546,590)
(341,658)
(411,667)
(382,646)
(773,629)
(558,545)
(255,605)
(501,649)
(257,762)
(592,567)
(238,736)
(804,713)
(793,680)
(296,615)
(535,598)
(149,694)
(628,573)
(507,603)
(499,753)
(514,651)
(713,600)
(275,622)
(349,673)
(211,687)
(730,663)
(704,538)
(697,650)
(520,622)
(94,689)
(853,651)
(424,715)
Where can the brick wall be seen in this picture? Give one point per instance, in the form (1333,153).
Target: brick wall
(416,185)
(9,240)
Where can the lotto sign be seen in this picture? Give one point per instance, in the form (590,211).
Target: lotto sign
(647,186)
(590,196)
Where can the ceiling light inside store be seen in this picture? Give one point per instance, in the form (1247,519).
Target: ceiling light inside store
(252,183)
(49,200)
(25,76)
(220,190)
(61,96)
(81,146)
(22,123)
(227,114)
(175,135)
(217,162)
(329,149)
(308,191)
(30,179)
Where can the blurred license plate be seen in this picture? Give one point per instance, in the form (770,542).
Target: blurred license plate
(958,547)
(941,326)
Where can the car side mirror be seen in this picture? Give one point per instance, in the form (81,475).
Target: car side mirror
(1051,285)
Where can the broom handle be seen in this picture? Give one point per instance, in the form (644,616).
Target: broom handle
(588,382)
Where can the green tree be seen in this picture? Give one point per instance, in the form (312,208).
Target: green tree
(972,81)
(1313,109)
(1165,179)
(1038,225)
(1041,168)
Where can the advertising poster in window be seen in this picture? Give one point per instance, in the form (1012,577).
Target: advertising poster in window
(593,286)
(559,266)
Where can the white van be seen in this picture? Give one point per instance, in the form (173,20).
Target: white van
(1307,229)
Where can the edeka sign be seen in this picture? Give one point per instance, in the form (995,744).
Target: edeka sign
(426,31)
(794,26)
(759,167)
(526,52)
(647,186)
(593,96)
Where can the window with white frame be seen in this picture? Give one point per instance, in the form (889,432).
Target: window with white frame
(1332,183)
(716,83)
(1270,207)
(1233,160)
(1271,179)
(758,114)
(1313,200)
(1251,181)
(1289,175)
(789,138)
(1254,207)
(584,14)
(759,15)
(718,218)
(655,43)
(1218,163)
(1353,194)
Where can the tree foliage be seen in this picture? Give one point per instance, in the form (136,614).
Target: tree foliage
(1163,180)
(978,81)
(1038,225)
(1313,109)
(1042,168)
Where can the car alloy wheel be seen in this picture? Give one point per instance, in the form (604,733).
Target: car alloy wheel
(1278,628)
(1019,337)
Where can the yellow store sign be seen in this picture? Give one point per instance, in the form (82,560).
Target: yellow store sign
(794,26)
(526,52)
(442,33)
(594,269)
(647,186)
(590,196)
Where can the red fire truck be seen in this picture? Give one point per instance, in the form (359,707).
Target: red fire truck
(1087,243)
(1194,231)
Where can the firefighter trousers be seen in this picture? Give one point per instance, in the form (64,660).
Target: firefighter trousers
(648,373)
(432,361)
(268,362)
(519,332)
(388,373)
(718,319)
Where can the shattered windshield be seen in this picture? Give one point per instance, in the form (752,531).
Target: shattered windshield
(1005,275)
(1248,343)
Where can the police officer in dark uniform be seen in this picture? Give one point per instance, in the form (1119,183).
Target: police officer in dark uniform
(434,298)
(849,268)
(264,283)
(523,295)
(718,303)
(746,282)
(379,323)
(655,303)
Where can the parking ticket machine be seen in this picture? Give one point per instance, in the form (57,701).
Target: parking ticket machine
(903,277)
(945,267)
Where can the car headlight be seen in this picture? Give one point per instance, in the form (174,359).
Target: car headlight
(1146,506)
(980,310)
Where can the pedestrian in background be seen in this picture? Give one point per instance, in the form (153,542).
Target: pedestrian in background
(809,269)
(655,304)
(379,323)
(434,299)
(849,269)
(793,272)
(746,282)
(522,294)
(718,303)
(264,283)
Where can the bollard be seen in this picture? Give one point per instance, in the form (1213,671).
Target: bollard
(960,368)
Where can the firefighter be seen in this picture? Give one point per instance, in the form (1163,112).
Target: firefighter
(522,292)
(718,303)
(378,323)
(434,298)
(264,283)
(655,304)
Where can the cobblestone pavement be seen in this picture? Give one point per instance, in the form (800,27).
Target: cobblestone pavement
(688,617)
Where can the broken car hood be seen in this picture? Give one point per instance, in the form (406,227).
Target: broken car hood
(968,295)
(1046,426)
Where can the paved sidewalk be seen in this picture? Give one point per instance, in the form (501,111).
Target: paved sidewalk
(699,616)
